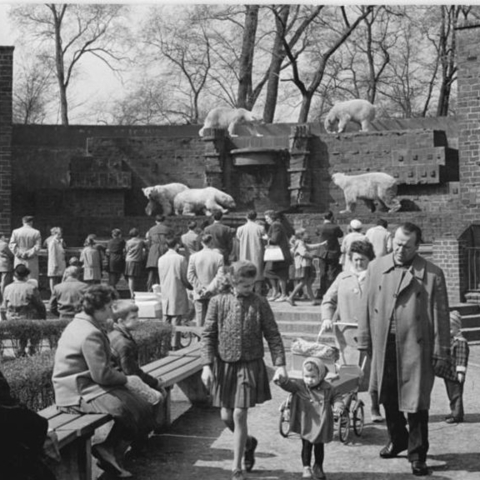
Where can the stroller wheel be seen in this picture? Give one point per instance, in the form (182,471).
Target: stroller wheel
(358,418)
(343,426)
(284,420)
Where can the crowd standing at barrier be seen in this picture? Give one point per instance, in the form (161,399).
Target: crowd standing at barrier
(233,287)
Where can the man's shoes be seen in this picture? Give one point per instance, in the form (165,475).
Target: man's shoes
(307,472)
(419,468)
(318,473)
(249,456)
(391,451)
(451,419)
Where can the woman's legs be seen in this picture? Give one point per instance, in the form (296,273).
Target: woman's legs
(283,287)
(306,453)
(113,278)
(131,286)
(274,293)
(300,284)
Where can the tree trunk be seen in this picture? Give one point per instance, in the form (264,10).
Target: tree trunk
(60,68)
(246,57)
(305,108)
(278,55)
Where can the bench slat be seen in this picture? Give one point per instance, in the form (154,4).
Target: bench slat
(174,376)
(50,412)
(192,350)
(65,437)
(159,363)
(179,362)
(62,420)
(87,423)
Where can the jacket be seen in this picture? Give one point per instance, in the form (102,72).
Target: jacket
(25,243)
(381,239)
(203,268)
(156,242)
(311,414)
(172,271)
(125,355)
(6,257)
(278,236)
(419,303)
(330,232)
(22,301)
(235,327)
(66,297)
(83,365)
(222,238)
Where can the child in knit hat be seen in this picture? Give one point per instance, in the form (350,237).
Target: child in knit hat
(312,414)
(455,378)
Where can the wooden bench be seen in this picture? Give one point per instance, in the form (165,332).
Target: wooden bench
(74,432)
(183,368)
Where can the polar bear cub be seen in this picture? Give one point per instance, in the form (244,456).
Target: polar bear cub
(228,118)
(369,187)
(357,111)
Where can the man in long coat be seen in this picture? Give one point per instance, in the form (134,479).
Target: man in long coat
(25,244)
(252,246)
(172,271)
(404,322)
(156,241)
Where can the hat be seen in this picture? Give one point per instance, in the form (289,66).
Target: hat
(319,365)
(21,271)
(456,319)
(355,224)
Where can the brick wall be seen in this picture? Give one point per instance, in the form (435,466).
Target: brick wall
(6,75)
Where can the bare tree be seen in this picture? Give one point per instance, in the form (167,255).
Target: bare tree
(68,32)
(32,93)
(337,38)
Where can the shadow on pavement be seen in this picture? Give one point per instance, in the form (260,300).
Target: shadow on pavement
(469,418)
(468,462)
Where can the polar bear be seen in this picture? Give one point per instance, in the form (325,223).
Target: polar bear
(358,111)
(162,196)
(225,117)
(202,201)
(368,187)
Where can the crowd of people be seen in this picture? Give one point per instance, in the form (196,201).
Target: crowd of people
(376,280)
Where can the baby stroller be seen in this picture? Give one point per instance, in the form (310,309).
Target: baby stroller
(346,364)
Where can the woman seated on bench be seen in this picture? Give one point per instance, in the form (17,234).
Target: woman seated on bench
(85,381)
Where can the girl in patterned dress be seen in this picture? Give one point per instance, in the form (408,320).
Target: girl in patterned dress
(232,350)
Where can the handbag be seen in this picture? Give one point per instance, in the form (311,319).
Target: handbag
(273,253)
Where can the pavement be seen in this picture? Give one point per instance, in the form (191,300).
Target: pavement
(198,446)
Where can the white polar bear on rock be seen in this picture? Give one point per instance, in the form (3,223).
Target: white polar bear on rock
(358,111)
(162,196)
(228,118)
(201,201)
(368,187)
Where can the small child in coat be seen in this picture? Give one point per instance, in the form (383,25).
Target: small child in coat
(455,379)
(311,413)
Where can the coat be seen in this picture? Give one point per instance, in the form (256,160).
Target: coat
(22,301)
(191,242)
(381,239)
(25,243)
(278,236)
(251,248)
(156,241)
(203,268)
(91,257)
(83,365)
(222,238)
(311,414)
(420,304)
(6,257)
(56,263)
(172,271)
(330,232)
(66,297)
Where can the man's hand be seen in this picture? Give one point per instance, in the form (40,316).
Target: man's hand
(327,325)
(207,376)
(280,375)
(440,365)
(460,377)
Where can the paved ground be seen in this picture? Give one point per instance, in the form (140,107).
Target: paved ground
(197,446)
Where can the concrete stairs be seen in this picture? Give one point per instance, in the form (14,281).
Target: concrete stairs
(303,321)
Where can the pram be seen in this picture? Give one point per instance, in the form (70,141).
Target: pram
(346,365)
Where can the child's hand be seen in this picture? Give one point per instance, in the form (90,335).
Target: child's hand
(280,375)
(207,376)
(461,377)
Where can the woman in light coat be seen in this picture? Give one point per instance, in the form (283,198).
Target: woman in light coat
(56,264)
(343,301)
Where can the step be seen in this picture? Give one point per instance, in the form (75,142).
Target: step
(285,312)
(470,321)
(285,326)
(466,308)
(471,334)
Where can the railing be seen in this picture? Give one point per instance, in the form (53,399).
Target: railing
(473,268)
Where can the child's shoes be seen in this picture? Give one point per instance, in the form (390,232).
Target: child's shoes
(307,472)
(318,473)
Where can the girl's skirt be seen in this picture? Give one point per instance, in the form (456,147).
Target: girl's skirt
(133,269)
(240,384)
(277,270)
(305,273)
